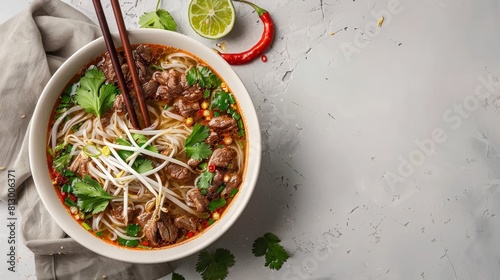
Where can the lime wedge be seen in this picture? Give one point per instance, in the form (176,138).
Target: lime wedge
(212,19)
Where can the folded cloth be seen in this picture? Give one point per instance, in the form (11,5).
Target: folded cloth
(34,44)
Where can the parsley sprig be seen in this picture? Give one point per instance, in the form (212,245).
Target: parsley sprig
(159,18)
(93,95)
(269,246)
(203,76)
(91,196)
(195,147)
(214,266)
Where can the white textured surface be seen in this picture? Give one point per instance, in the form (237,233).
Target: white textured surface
(410,102)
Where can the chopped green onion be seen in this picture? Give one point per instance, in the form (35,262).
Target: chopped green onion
(233,192)
(166,107)
(236,116)
(69,202)
(221,188)
(210,222)
(88,153)
(231,99)
(144,247)
(216,114)
(204,215)
(216,204)
(203,191)
(68,173)
(67,189)
(85,226)
(51,153)
(99,233)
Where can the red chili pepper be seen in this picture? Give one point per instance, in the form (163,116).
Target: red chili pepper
(211,168)
(190,234)
(264,42)
(64,195)
(72,197)
(200,113)
(145,243)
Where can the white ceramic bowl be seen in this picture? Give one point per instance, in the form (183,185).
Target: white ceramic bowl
(38,141)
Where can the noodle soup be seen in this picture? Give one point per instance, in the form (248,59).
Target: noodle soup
(158,186)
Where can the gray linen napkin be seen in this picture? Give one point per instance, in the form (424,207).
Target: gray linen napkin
(33,45)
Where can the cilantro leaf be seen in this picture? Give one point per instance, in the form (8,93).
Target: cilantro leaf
(61,161)
(159,18)
(268,246)
(142,165)
(141,139)
(203,76)
(91,196)
(92,95)
(221,100)
(176,276)
(199,151)
(199,134)
(127,242)
(133,230)
(214,266)
(205,180)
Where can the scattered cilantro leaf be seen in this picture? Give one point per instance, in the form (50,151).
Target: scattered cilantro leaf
(205,180)
(91,196)
(221,100)
(133,230)
(176,276)
(141,139)
(142,165)
(214,266)
(199,134)
(62,160)
(203,76)
(94,96)
(268,246)
(199,151)
(159,18)
(127,242)
(216,204)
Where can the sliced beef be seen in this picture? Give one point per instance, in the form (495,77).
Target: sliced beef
(222,156)
(233,183)
(214,186)
(178,173)
(119,104)
(185,222)
(144,51)
(186,108)
(199,200)
(193,93)
(150,89)
(171,79)
(160,231)
(213,138)
(80,164)
(143,218)
(118,213)
(222,123)
(166,228)
(193,163)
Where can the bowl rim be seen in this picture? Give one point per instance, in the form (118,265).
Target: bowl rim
(39,165)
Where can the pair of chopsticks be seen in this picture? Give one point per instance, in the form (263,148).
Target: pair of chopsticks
(110,46)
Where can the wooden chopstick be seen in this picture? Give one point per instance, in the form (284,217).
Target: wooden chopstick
(130,61)
(110,46)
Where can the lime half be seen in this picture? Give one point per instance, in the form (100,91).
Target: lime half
(212,19)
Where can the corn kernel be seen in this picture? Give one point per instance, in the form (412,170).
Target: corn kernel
(204,105)
(216,216)
(189,121)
